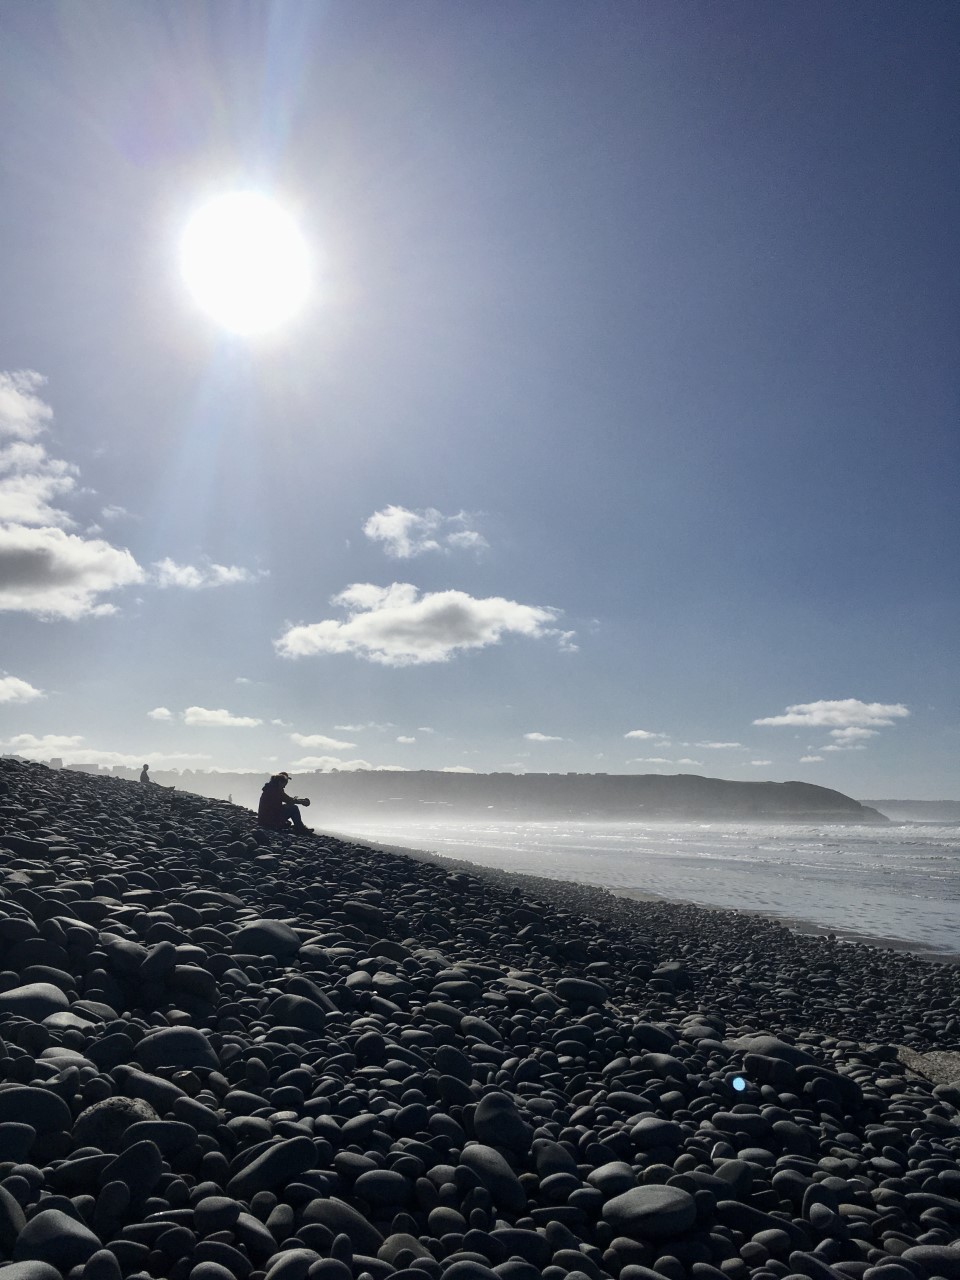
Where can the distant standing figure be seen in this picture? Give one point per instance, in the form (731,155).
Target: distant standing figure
(276,806)
(144,774)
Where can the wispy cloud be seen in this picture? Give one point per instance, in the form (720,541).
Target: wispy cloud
(405,739)
(31,483)
(397,627)
(459,768)
(23,414)
(759,764)
(405,533)
(843,713)
(718,746)
(663,760)
(643,734)
(325,764)
(370,724)
(13,689)
(160,713)
(71,749)
(167,573)
(541,737)
(320,740)
(811,759)
(852,734)
(25,742)
(217,718)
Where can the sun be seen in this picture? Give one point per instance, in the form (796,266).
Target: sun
(245,262)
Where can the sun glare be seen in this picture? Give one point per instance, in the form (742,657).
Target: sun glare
(245,262)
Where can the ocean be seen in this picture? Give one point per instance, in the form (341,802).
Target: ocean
(897,883)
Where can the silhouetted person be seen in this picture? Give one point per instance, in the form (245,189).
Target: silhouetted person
(145,777)
(276,807)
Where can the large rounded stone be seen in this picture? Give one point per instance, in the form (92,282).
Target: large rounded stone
(580,991)
(176,1047)
(266,938)
(651,1212)
(504,1186)
(53,1236)
(42,1108)
(36,1000)
(498,1123)
(104,1123)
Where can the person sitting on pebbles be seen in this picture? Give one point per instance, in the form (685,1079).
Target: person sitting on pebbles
(276,807)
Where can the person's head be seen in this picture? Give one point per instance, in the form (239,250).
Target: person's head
(145,768)
(280,779)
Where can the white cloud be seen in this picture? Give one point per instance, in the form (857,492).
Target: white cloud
(811,759)
(663,760)
(643,734)
(44,570)
(160,713)
(320,740)
(459,768)
(424,728)
(406,533)
(852,734)
(324,764)
(59,575)
(761,763)
(23,415)
(69,748)
(29,483)
(285,724)
(170,574)
(113,512)
(467,540)
(842,713)
(405,739)
(370,724)
(397,627)
(242,680)
(844,746)
(718,746)
(24,742)
(206,718)
(13,689)
(541,737)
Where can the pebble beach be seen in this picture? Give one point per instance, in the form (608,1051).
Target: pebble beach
(232,1055)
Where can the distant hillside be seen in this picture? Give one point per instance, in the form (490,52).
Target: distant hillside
(918,810)
(538,796)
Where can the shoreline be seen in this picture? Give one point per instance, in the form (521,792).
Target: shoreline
(795,924)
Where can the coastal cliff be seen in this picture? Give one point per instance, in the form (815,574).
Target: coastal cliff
(541,796)
(585,795)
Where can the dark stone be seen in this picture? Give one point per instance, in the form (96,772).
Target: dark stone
(176,1047)
(651,1212)
(55,1237)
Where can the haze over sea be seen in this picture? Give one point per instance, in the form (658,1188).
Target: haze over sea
(899,882)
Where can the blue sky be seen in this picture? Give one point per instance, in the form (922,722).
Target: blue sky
(624,400)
